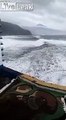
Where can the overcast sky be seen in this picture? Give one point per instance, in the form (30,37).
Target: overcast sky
(51,13)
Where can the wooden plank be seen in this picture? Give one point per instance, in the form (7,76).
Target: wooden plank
(42,83)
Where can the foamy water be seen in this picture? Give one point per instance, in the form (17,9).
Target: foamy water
(47,63)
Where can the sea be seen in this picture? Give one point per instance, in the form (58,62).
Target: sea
(37,56)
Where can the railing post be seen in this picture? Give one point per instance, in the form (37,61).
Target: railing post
(1,47)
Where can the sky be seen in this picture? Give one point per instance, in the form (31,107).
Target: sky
(51,13)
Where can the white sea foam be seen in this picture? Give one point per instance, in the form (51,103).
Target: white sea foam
(47,63)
